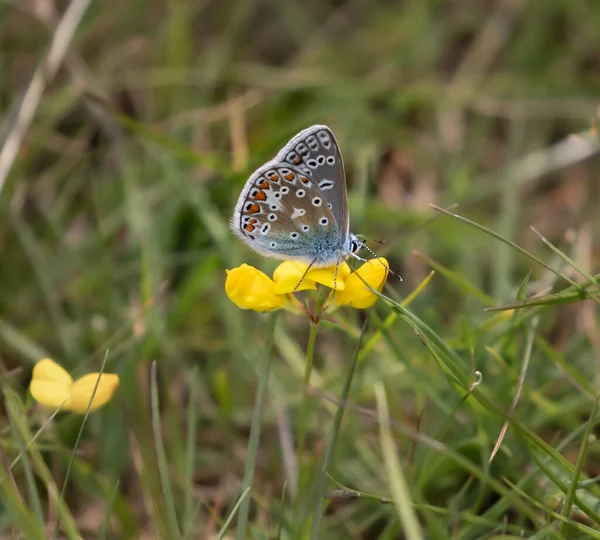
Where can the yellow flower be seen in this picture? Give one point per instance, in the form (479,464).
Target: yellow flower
(356,293)
(288,274)
(291,274)
(52,387)
(249,288)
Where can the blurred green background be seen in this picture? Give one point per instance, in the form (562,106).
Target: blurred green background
(114,242)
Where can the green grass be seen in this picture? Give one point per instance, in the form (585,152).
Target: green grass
(114,242)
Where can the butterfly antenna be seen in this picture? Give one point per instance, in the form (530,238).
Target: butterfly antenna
(304,275)
(365,240)
(397,276)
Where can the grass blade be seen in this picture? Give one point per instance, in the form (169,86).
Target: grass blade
(397,481)
(591,279)
(520,383)
(231,515)
(330,450)
(570,498)
(161,456)
(77,441)
(517,247)
(255,428)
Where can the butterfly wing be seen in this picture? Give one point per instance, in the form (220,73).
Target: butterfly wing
(315,152)
(282,213)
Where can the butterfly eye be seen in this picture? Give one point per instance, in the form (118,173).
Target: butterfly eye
(330,160)
(324,221)
(300,193)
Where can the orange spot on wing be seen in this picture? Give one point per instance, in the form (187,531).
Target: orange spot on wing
(263,185)
(254,209)
(304,180)
(260,196)
(298,160)
(289,176)
(249,227)
(273,177)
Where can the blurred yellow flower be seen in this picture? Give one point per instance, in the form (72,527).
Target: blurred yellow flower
(249,288)
(356,293)
(52,387)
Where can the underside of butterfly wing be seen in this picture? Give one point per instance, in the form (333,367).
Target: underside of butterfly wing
(282,213)
(316,154)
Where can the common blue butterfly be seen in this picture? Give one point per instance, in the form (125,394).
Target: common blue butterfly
(295,207)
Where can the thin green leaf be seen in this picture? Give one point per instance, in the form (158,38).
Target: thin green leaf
(515,246)
(255,428)
(591,279)
(579,466)
(331,444)
(397,482)
(233,512)
(163,467)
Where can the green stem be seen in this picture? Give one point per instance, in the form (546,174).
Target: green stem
(255,427)
(328,457)
(572,491)
(310,356)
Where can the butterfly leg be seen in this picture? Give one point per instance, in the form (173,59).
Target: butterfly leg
(337,265)
(304,275)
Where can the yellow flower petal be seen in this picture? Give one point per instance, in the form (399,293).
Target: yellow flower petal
(249,288)
(83,388)
(288,275)
(50,383)
(51,394)
(357,294)
(328,277)
(48,370)
(52,386)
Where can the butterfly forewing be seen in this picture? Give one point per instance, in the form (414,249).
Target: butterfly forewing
(282,213)
(316,154)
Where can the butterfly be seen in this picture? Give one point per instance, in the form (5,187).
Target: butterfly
(295,207)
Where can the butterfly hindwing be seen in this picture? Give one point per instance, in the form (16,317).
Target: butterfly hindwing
(282,213)
(316,154)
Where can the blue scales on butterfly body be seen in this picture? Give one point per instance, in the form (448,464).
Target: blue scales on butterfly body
(295,207)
